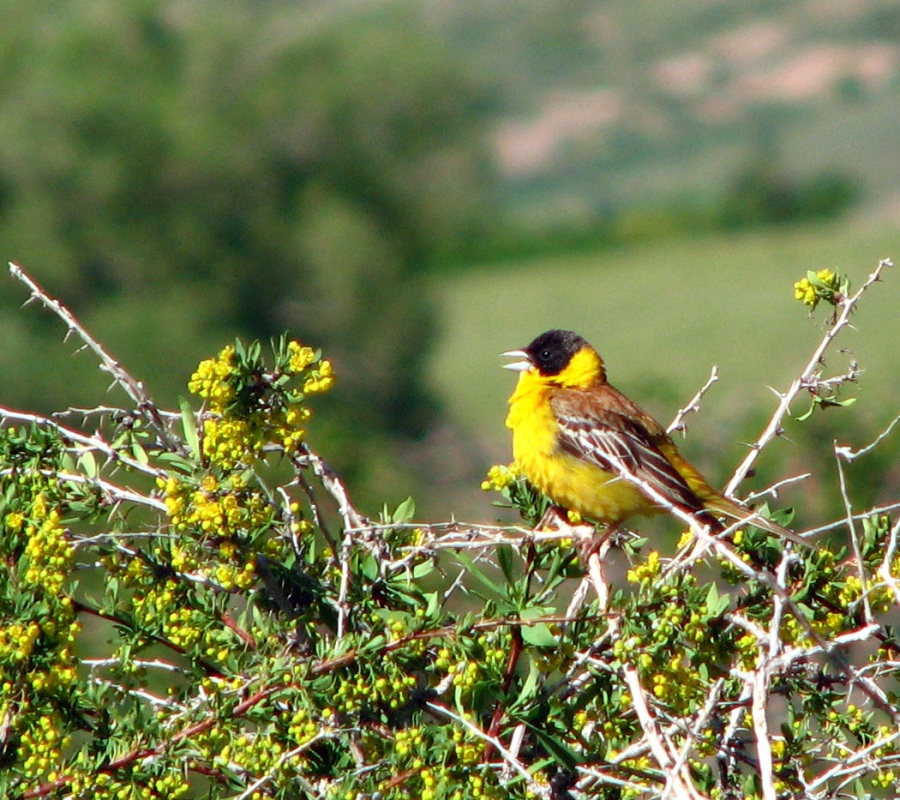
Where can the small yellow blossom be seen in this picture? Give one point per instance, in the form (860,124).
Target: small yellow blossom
(210,381)
(822,285)
(301,356)
(499,477)
(14,521)
(320,379)
(645,572)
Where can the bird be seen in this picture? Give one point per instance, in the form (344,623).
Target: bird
(593,451)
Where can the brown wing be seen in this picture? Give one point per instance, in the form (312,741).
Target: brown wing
(601,426)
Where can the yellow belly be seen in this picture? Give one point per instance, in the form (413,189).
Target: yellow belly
(592,492)
(568,481)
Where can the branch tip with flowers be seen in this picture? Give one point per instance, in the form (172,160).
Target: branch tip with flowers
(191,603)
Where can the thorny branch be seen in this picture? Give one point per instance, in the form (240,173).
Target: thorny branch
(808,378)
(133,388)
(671,743)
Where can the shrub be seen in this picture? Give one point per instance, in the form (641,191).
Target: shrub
(191,605)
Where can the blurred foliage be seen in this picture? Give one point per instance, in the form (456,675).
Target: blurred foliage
(761,193)
(242,169)
(239,169)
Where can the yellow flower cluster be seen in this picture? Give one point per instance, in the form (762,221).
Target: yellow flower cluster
(230,441)
(410,741)
(496,646)
(604,722)
(465,674)
(211,380)
(677,684)
(232,577)
(233,435)
(824,285)
(14,521)
(321,381)
(499,477)
(217,507)
(17,641)
(647,571)
(40,748)
(318,379)
(257,753)
(91,785)
(302,727)
(637,766)
(467,748)
(301,357)
(49,556)
(37,658)
(162,605)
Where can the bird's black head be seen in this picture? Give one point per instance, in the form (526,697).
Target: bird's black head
(552,351)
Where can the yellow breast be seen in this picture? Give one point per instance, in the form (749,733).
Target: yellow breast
(568,481)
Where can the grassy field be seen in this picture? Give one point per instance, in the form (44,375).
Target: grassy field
(663,314)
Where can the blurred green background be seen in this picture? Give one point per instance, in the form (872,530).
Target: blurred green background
(416,187)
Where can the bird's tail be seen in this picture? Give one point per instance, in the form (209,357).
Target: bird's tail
(720,504)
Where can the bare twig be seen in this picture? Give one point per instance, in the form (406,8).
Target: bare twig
(94,442)
(806,380)
(854,535)
(133,388)
(677,424)
(851,455)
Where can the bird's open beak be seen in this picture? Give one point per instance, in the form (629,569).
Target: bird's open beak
(517,366)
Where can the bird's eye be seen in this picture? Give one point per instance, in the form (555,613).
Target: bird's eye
(545,355)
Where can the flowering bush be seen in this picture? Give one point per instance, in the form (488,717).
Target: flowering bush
(190,605)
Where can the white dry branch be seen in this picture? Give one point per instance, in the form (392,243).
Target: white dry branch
(133,388)
(808,380)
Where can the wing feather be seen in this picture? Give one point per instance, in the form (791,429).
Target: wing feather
(612,439)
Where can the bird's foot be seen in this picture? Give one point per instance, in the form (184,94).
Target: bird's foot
(589,539)
(557,519)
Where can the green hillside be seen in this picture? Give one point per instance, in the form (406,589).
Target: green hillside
(616,103)
(662,315)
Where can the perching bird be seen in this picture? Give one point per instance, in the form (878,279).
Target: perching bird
(574,437)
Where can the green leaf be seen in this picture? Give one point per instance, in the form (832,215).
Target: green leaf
(423,569)
(556,747)
(375,643)
(528,692)
(139,454)
(716,605)
(433,604)
(405,511)
(476,573)
(182,464)
(504,558)
(369,567)
(88,464)
(561,563)
(538,635)
(189,426)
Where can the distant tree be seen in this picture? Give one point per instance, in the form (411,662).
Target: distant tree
(287,165)
(762,192)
